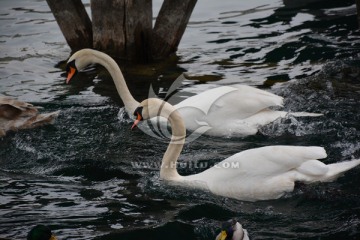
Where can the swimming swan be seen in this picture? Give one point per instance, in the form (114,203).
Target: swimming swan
(255,174)
(227,111)
(16,115)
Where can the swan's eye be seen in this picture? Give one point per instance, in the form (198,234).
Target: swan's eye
(70,65)
(67,68)
(138,112)
(138,115)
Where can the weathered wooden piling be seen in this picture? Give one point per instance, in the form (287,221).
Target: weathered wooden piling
(123,28)
(170,26)
(73,21)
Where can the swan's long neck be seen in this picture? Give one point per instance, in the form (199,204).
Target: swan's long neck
(116,74)
(168,167)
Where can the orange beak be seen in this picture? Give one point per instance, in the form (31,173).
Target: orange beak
(71,73)
(138,119)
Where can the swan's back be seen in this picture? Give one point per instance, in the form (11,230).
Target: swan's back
(225,108)
(260,173)
(238,101)
(269,160)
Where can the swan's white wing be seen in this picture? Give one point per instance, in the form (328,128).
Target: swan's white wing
(269,172)
(235,102)
(270,160)
(261,173)
(205,100)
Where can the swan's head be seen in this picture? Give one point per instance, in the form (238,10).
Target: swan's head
(78,61)
(150,108)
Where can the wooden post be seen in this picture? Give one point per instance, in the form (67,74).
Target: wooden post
(138,28)
(73,21)
(108,21)
(358,11)
(170,25)
(123,28)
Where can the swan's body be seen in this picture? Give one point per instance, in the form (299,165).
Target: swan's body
(228,110)
(16,115)
(255,174)
(233,110)
(232,230)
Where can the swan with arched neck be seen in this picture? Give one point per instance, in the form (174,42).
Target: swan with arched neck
(255,174)
(237,110)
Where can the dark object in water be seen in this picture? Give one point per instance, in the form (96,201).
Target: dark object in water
(40,232)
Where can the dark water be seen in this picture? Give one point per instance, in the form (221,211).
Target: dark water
(88,176)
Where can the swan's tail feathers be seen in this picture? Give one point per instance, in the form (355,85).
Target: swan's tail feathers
(305,114)
(337,169)
(316,171)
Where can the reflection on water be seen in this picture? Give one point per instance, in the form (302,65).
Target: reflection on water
(78,176)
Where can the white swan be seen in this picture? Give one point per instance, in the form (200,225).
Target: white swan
(255,174)
(232,230)
(227,111)
(16,115)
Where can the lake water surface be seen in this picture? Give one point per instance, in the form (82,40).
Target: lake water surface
(89,177)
